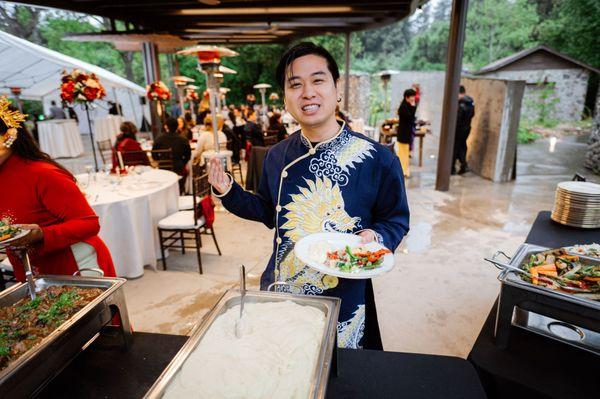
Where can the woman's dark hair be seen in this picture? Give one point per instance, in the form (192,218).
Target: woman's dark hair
(300,50)
(172,125)
(128,131)
(26,147)
(409,93)
(231,115)
(187,117)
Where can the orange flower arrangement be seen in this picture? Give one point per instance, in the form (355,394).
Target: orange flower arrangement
(158,91)
(80,87)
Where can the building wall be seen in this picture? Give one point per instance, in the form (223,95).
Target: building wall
(360,89)
(570,89)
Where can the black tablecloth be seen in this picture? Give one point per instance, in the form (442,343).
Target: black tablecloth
(534,366)
(104,371)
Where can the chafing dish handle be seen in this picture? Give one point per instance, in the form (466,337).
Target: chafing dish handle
(89,269)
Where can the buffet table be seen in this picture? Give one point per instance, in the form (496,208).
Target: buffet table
(129,213)
(534,366)
(60,138)
(103,370)
(108,127)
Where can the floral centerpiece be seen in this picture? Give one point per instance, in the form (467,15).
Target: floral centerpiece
(80,87)
(158,91)
(191,95)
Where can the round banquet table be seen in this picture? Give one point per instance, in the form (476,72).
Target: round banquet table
(60,138)
(129,212)
(108,127)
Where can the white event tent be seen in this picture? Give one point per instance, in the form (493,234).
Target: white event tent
(37,71)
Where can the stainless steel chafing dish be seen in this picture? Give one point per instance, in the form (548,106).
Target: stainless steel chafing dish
(568,317)
(330,306)
(28,374)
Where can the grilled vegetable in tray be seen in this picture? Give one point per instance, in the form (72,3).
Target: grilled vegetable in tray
(560,269)
(7,230)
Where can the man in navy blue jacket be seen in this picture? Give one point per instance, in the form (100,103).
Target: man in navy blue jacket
(323,177)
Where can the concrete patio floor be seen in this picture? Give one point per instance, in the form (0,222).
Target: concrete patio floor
(440,292)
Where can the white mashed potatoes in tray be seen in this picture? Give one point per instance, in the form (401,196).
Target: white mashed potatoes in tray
(274,358)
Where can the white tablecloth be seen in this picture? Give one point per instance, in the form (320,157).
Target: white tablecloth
(108,127)
(129,213)
(60,138)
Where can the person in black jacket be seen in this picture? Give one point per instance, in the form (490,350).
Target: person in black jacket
(180,146)
(252,131)
(406,126)
(466,111)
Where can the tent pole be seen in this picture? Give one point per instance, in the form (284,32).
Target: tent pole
(456,41)
(132,106)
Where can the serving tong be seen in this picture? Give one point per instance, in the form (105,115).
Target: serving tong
(505,266)
(238,322)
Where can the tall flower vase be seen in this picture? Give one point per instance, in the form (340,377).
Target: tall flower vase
(87,113)
(156,117)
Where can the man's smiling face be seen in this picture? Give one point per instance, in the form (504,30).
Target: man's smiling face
(310,91)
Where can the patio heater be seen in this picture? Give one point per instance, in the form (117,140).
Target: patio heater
(209,61)
(385,77)
(180,82)
(262,88)
(191,88)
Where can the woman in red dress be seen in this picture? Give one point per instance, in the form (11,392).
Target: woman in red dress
(42,195)
(125,143)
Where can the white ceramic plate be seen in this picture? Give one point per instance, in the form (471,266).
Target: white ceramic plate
(5,243)
(312,250)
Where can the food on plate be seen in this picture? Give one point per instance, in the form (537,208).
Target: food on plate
(275,356)
(7,230)
(27,322)
(355,259)
(592,250)
(558,269)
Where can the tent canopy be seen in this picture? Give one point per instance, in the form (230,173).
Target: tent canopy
(37,70)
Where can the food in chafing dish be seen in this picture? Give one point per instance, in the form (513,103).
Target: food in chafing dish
(27,322)
(355,259)
(275,357)
(560,269)
(7,230)
(592,250)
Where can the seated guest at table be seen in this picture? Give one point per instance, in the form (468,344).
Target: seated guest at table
(323,178)
(56,112)
(125,143)
(406,128)
(252,132)
(188,126)
(42,195)
(179,146)
(275,124)
(206,139)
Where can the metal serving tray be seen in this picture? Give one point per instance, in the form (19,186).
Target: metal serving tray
(570,318)
(28,374)
(330,306)
(523,253)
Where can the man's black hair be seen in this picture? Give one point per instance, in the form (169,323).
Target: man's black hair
(409,93)
(300,50)
(172,125)
(461,89)
(52,102)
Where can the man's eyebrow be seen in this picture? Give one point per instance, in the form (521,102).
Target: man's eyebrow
(312,74)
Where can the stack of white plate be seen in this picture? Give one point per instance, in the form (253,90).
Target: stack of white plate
(577,204)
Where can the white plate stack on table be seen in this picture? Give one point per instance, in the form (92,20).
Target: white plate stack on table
(577,204)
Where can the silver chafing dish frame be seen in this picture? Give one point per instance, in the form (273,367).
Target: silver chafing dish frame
(536,308)
(231,298)
(34,369)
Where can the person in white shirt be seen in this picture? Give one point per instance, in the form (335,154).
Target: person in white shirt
(206,140)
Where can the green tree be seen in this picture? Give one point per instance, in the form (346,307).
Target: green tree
(574,28)
(496,29)
(427,50)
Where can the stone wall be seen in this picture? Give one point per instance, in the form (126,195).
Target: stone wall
(360,90)
(492,144)
(570,89)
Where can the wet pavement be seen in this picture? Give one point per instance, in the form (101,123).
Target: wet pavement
(440,292)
